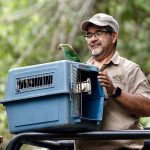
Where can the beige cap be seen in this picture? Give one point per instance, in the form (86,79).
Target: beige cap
(101,19)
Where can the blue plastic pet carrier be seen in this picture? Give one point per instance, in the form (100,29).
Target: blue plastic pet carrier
(57,96)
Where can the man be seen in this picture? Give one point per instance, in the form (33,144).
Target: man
(126,88)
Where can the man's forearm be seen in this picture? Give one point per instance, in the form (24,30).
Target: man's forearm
(135,104)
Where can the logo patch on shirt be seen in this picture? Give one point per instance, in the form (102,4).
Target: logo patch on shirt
(118,78)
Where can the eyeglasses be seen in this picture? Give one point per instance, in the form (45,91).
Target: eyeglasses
(98,33)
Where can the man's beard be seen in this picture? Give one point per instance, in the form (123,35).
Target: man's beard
(97,52)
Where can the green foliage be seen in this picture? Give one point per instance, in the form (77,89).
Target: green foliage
(31,30)
(145,121)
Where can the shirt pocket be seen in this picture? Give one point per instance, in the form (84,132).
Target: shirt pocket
(118,80)
(118,84)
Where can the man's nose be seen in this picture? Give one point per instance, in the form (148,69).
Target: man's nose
(94,37)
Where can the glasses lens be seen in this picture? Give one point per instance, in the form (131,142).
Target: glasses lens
(98,33)
(88,35)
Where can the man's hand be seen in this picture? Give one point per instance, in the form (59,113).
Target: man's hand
(106,82)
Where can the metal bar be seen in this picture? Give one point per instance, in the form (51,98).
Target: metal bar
(101,135)
(54,145)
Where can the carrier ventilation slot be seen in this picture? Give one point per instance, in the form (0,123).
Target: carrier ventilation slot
(34,82)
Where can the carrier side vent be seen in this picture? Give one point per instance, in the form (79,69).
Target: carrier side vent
(34,82)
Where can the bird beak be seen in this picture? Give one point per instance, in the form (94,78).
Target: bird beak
(59,47)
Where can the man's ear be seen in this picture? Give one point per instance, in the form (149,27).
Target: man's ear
(115,37)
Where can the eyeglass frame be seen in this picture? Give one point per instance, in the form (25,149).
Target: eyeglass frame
(98,33)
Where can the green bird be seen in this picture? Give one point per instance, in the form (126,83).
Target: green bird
(69,53)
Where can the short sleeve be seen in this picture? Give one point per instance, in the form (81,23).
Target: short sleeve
(138,83)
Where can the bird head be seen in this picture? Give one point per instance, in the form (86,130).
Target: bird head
(63,46)
(69,52)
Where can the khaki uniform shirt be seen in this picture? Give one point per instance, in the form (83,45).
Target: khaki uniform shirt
(128,76)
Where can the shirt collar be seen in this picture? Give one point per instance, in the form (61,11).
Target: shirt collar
(115,59)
